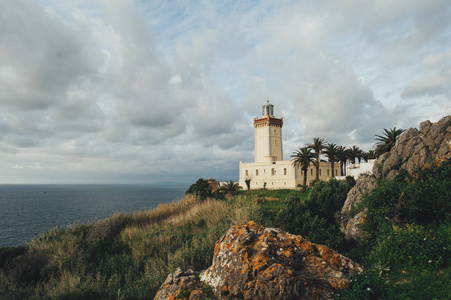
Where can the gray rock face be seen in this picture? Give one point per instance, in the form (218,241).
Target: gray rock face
(414,149)
(180,285)
(350,222)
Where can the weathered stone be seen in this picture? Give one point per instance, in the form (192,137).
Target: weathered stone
(351,228)
(412,151)
(414,148)
(182,285)
(363,185)
(349,221)
(254,262)
(425,126)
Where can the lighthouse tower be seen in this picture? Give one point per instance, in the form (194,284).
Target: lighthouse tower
(268,136)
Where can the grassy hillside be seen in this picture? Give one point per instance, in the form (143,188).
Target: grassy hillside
(406,252)
(127,255)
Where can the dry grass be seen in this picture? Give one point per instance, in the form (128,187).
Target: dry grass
(131,252)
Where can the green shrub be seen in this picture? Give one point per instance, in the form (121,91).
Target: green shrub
(200,188)
(314,218)
(327,198)
(427,198)
(351,181)
(9,253)
(27,268)
(365,286)
(407,251)
(412,247)
(419,199)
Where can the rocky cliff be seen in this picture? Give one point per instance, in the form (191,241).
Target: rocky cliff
(254,262)
(413,150)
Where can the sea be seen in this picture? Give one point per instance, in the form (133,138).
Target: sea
(29,210)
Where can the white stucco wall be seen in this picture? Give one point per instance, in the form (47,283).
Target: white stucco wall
(281,174)
(356,169)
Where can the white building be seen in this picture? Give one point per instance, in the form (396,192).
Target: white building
(356,169)
(269,169)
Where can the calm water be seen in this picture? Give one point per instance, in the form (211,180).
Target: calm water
(28,210)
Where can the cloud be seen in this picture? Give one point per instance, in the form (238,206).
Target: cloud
(123,90)
(434,78)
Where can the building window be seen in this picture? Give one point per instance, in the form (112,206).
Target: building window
(273,171)
(247,173)
(256,172)
(327,172)
(275,131)
(336,172)
(319,172)
(284,171)
(311,172)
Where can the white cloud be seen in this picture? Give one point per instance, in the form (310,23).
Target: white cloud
(112,91)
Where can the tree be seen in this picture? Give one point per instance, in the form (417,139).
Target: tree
(387,140)
(201,189)
(248,184)
(342,156)
(302,159)
(317,146)
(360,155)
(230,187)
(368,155)
(353,153)
(331,151)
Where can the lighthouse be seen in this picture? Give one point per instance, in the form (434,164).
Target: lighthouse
(268,135)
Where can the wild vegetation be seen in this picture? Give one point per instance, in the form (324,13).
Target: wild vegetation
(405,251)
(128,255)
(407,246)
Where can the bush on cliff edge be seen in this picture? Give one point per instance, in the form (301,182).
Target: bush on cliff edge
(408,237)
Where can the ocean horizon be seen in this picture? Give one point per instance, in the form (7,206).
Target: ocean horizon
(28,210)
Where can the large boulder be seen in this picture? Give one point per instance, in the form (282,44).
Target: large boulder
(254,262)
(413,150)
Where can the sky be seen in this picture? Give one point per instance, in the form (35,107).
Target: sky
(123,91)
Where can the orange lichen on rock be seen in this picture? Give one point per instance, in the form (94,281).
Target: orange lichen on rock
(269,263)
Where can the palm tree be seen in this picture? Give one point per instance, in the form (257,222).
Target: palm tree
(353,152)
(359,155)
(367,155)
(342,156)
(302,159)
(387,140)
(331,151)
(317,146)
(230,187)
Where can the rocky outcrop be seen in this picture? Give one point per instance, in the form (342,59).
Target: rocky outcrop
(183,285)
(254,262)
(349,220)
(414,149)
